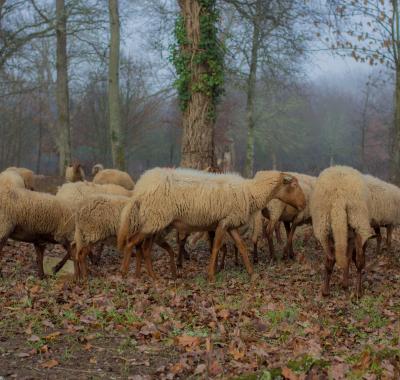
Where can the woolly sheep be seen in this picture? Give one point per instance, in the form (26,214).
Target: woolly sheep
(11,179)
(34,217)
(98,221)
(76,192)
(97,168)
(278,211)
(384,207)
(340,217)
(27,175)
(191,200)
(74,172)
(114,176)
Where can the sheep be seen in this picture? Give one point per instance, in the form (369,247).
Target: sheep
(98,221)
(97,168)
(27,175)
(277,211)
(11,179)
(384,207)
(36,218)
(339,208)
(114,176)
(76,192)
(191,200)
(74,172)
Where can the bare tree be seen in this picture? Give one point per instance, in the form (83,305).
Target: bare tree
(117,147)
(369,31)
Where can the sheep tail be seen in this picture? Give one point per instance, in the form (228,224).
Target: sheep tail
(128,225)
(340,232)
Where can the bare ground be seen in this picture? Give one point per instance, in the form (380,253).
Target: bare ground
(276,327)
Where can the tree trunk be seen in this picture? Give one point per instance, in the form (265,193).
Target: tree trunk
(63,140)
(395,159)
(251,87)
(114,106)
(274,160)
(198,124)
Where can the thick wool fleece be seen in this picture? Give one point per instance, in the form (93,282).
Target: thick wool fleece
(198,199)
(11,179)
(27,175)
(26,215)
(340,200)
(114,176)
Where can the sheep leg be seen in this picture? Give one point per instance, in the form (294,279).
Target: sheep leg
(287,229)
(163,244)
(224,250)
(389,232)
(378,239)
(147,244)
(39,248)
(216,245)
(95,254)
(270,229)
(58,267)
(255,253)
(242,249)
(236,256)
(82,263)
(289,245)
(139,258)
(360,263)
(182,253)
(2,244)
(278,233)
(133,241)
(329,261)
(345,273)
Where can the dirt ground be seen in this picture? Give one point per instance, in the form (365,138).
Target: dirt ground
(276,327)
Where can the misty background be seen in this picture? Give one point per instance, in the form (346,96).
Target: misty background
(312,105)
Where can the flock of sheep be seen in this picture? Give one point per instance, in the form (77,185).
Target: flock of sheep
(345,207)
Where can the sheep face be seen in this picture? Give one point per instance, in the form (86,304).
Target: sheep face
(291,193)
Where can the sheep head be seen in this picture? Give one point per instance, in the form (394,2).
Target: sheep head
(290,192)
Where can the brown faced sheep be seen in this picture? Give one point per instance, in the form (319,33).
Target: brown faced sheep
(340,218)
(191,200)
(74,172)
(114,176)
(27,175)
(277,211)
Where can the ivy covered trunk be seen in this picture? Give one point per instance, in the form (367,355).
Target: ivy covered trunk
(198,59)
(63,134)
(114,107)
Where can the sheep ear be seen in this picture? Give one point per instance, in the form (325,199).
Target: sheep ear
(287,179)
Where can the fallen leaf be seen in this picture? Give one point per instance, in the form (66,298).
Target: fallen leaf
(201,368)
(22,355)
(93,360)
(236,353)
(33,338)
(35,289)
(224,314)
(52,336)
(87,347)
(44,349)
(215,368)
(50,364)
(288,374)
(177,368)
(188,341)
